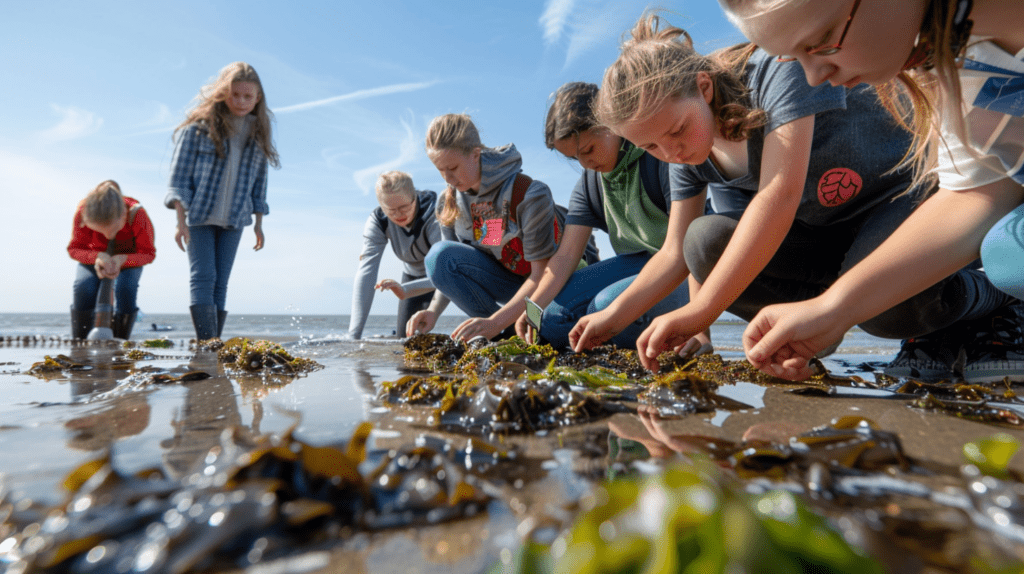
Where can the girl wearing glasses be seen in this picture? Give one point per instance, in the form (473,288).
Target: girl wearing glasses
(500,228)
(405,219)
(816,163)
(960,64)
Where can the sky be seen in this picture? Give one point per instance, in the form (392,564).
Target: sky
(94,90)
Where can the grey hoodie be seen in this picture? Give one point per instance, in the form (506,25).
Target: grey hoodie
(484,220)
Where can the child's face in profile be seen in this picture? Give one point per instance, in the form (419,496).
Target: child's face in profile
(596,148)
(399,208)
(243,98)
(681,131)
(879,38)
(459,170)
(109,229)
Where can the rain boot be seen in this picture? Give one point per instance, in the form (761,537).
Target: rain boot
(123,323)
(222,317)
(81,323)
(204,319)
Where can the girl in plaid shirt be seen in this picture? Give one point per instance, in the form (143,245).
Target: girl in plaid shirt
(218,183)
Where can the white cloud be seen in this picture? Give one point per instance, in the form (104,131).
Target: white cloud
(74,123)
(553,20)
(408,150)
(585,24)
(356,95)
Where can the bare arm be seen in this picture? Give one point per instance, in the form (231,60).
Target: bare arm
(760,232)
(939,238)
(665,271)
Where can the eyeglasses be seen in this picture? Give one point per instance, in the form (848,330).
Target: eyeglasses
(831,49)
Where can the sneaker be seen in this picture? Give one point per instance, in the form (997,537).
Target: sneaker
(997,349)
(928,358)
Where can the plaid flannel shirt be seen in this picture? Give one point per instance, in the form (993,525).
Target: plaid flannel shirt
(196,173)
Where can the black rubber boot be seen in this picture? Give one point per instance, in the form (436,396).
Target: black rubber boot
(222,317)
(81,323)
(123,323)
(204,319)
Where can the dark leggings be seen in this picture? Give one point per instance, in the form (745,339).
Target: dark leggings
(810,259)
(408,307)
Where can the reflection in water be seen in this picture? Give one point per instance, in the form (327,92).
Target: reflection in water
(210,408)
(112,418)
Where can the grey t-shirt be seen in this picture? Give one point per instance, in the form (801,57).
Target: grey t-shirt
(855,143)
(241,128)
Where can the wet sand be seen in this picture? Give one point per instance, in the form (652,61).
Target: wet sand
(51,425)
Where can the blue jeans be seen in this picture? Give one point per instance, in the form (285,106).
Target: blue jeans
(87,285)
(592,289)
(211,254)
(1002,253)
(472,279)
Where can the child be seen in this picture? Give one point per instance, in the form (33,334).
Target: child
(739,119)
(406,219)
(968,111)
(499,226)
(106,215)
(218,182)
(624,192)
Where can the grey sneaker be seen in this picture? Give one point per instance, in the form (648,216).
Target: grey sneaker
(928,358)
(997,349)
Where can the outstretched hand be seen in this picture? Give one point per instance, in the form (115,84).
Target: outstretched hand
(593,330)
(782,339)
(421,322)
(676,331)
(392,285)
(477,327)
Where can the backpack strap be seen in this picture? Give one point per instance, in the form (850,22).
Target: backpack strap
(519,187)
(650,178)
(132,212)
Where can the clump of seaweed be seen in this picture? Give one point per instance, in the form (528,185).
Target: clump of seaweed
(139,355)
(974,410)
(433,352)
(263,356)
(247,501)
(56,365)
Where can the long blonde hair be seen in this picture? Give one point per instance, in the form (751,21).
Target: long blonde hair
(104,204)
(454,132)
(917,97)
(212,112)
(659,62)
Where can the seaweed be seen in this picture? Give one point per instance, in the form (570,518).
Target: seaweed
(246,501)
(255,357)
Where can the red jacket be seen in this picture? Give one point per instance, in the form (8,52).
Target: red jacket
(135,239)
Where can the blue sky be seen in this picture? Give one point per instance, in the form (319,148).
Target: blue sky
(93,91)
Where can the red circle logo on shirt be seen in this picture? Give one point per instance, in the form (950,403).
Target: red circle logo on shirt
(838,186)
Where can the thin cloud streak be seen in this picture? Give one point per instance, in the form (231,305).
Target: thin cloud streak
(356,95)
(408,150)
(74,123)
(553,20)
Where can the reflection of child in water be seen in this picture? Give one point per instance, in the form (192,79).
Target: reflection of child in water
(125,416)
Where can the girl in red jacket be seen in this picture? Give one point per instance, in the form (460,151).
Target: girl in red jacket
(106,215)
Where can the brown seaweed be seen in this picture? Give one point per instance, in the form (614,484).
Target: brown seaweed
(255,357)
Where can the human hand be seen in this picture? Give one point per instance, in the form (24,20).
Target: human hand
(421,322)
(672,330)
(476,327)
(524,330)
(105,267)
(782,339)
(181,236)
(259,237)
(393,285)
(592,330)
